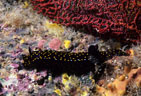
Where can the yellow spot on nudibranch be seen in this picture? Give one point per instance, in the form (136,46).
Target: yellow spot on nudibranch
(40,57)
(64,59)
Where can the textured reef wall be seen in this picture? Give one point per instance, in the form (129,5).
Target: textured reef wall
(21,27)
(111,18)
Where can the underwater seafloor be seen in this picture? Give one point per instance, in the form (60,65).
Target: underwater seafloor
(21,27)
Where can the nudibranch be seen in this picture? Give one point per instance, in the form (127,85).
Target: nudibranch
(60,61)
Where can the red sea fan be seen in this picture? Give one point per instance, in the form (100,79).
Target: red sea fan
(118,19)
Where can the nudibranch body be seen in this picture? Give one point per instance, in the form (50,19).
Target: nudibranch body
(59,61)
(52,56)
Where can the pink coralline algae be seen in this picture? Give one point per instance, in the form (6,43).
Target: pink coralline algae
(119,19)
(55,44)
(41,43)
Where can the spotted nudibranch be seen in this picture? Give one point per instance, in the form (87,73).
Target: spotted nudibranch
(60,61)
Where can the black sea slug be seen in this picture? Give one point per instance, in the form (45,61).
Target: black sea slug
(58,62)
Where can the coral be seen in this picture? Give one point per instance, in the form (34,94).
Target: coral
(25,4)
(19,17)
(118,87)
(67,43)
(55,44)
(73,86)
(22,41)
(54,28)
(116,18)
(15,19)
(135,55)
(41,44)
(58,91)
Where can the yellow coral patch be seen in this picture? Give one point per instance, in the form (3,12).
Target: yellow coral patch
(131,52)
(121,78)
(22,41)
(91,78)
(84,93)
(65,78)
(50,78)
(54,28)
(67,43)
(25,4)
(58,91)
(68,80)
